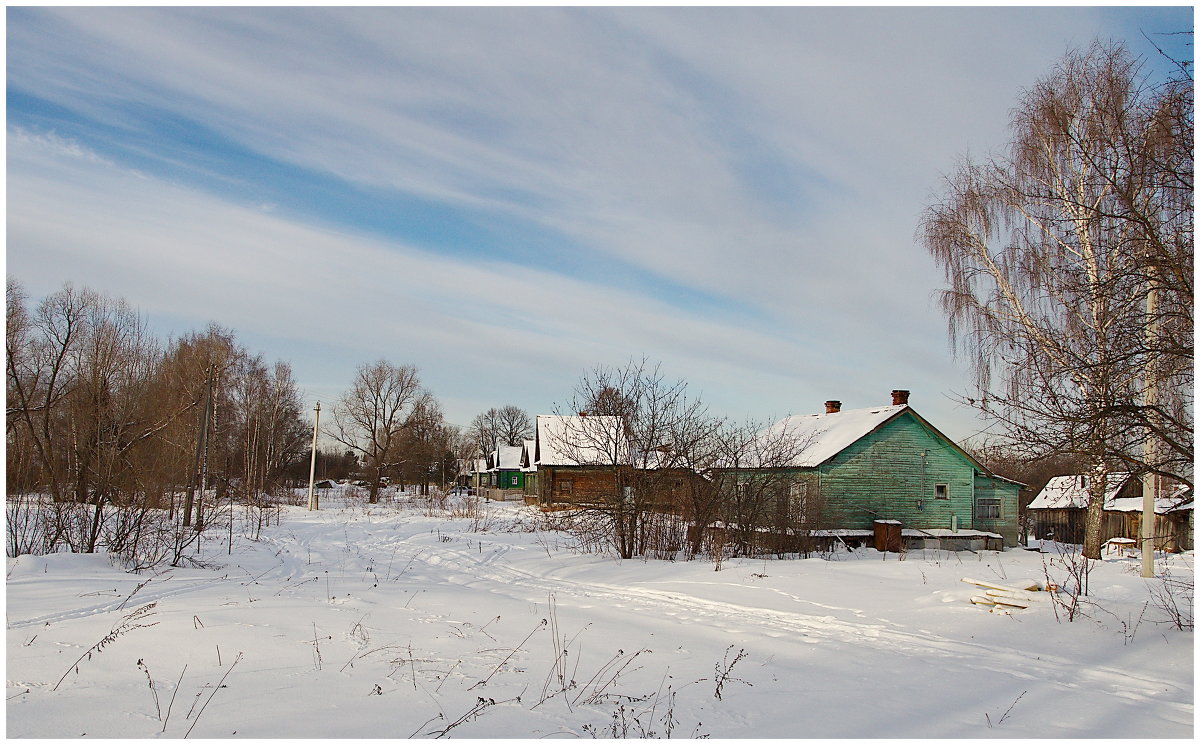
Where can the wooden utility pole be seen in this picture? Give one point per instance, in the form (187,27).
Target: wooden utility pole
(312,467)
(1150,479)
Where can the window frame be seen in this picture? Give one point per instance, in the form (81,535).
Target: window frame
(993,504)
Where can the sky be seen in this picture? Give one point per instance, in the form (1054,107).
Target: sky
(508,198)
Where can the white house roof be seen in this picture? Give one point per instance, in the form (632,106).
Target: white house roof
(508,457)
(1064,492)
(580,440)
(528,462)
(826,435)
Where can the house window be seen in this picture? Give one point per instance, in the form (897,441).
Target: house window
(515,480)
(941,491)
(987,509)
(564,486)
(798,497)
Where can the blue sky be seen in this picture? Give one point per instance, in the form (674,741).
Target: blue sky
(508,197)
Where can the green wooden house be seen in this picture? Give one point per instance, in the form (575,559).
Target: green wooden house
(505,465)
(889,463)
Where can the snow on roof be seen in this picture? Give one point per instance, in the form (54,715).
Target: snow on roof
(1066,492)
(508,457)
(580,440)
(828,434)
(528,462)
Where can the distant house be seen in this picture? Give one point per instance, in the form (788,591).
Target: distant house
(577,456)
(529,466)
(887,463)
(480,477)
(505,464)
(1058,511)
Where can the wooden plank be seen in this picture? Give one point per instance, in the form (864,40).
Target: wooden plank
(1017,586)
(1014,597)
(1009,603)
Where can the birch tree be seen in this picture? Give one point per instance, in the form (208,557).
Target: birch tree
(1050,250)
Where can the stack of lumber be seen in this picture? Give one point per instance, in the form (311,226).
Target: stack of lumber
(998,598)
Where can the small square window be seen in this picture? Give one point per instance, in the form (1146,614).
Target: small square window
(941,491)
(564,486)
(515,480)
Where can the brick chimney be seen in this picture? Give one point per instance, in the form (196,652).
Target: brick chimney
(899,398)
(833,407)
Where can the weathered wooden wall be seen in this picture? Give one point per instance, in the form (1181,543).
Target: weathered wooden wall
(1171,532)
(588,484)
(893,474)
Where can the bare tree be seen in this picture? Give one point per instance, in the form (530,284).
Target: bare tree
(508,425)
(1048,250)
(762,495)
(425,443)
(484,432)
(513,426)
(643,430)
(104,425)
(369,418)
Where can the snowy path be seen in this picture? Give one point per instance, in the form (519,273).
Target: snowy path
(356,610)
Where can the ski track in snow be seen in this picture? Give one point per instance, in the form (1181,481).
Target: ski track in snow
(516,583)
(488,571)
(333,552)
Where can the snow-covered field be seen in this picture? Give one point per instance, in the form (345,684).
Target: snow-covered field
(391,622)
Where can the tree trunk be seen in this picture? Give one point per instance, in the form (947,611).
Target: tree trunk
(1093,521)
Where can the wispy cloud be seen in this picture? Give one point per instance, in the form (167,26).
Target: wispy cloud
(733,191)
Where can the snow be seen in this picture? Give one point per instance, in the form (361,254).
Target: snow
(1063,492)
(403,619)
(830,434)
(526,458)
(507,457)
(580,440)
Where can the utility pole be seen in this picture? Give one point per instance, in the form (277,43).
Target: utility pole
(1150,479)
(312,468)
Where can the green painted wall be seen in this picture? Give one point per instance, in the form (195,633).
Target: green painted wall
(510,480)
(1008,493)
(894,473)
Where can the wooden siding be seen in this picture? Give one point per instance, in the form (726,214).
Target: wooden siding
(893,473)
(1008,524)
(531,484)
(504,479)
(576,484)
(1172,532)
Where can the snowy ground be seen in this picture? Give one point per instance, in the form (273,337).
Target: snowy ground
(388,622)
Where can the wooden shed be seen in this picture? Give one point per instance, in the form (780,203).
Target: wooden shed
(1058,511)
